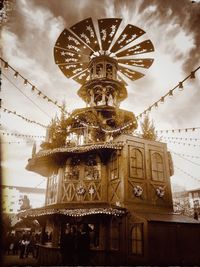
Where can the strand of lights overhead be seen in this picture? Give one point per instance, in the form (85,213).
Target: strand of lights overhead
(179,130)
(22,135)
(19,143)
(44,112)
(185,158)
(22,117)
(189,156)
(179,86)
(186,173)
(34,89)
(180,138)
(180,143)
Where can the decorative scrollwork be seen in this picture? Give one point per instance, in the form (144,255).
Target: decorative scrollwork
(137,190)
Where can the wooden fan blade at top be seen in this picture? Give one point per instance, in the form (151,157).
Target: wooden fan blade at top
(137,62)
(143,47)
(86,32)
(107,29)
(131,74)
(129,34)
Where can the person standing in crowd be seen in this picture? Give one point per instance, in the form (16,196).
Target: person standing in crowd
(67,247)
(24,243)
(22,247)
(83,245)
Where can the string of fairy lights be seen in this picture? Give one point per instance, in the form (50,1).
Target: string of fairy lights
(181,138)
(177,154)
(188,174)
(181,143)
(22,135)
(186,155)
(169,94)
(34,89)
(18,142)
(22,117)
(33,102)
(192,129)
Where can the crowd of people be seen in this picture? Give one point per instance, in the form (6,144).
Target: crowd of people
(75,245)
(22,244)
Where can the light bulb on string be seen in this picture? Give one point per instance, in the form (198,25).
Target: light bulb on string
(180,86)
(192,75)
(25,82)
(162,100)
(6,65)
(16,74)
(156,105)
(170,94)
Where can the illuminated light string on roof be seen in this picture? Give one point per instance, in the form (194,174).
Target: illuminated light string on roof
(181,143)
(79,149)
(197,164)
(179,86)
(22,135)
(128,124)
(186,173)
(34,89)
(22,117)
(71,212)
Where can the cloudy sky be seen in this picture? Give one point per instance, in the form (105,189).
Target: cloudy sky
(28,39)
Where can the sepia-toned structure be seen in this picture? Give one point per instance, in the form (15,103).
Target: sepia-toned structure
(100,173)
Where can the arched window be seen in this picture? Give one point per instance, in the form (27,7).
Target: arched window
(137,239)
(109,71)
(136,163)
(157,167)
(114,166)
(99,70)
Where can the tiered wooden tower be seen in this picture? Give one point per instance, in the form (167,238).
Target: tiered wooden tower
(98,172)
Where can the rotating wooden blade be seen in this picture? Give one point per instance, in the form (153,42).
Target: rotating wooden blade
(82,77)
(108,29)
(86,32)
(143,47)
(69,41)
(129,34)
(131,74)
(121,80)
(138,62)
(72,69)
(64,56)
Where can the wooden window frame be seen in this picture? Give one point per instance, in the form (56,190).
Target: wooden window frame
(136,166)
(114,166)
(154,162)
(136,240)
